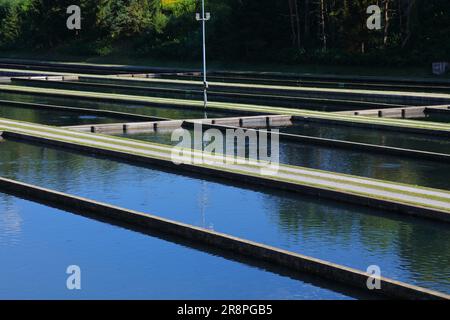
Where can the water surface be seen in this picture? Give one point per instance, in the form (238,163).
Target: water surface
(38,243)
(372,136)
(435,117)
(54,117)
(166,112)
(408,170)
(408,249)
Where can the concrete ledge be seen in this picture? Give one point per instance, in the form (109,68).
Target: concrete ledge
(215,93)
(241,109)
(404,112)
(297,262)
(128,127)
(438,110)
(251,121)
(339,195)
(99,112)
(365,94)
(394,128)
(110,68)
(378,149)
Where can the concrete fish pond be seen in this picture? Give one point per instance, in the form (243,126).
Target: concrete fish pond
(101,168)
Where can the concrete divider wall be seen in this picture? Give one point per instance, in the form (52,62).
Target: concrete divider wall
(362,200)
(387,127)
(287,259)
(439,110)
(99,112)
(331,143)
(406,112)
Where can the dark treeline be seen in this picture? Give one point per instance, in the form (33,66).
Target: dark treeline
(413,32)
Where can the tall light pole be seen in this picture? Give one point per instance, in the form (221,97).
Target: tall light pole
(203,17)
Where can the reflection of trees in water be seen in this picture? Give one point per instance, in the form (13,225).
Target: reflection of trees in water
(422,247)
(64,171)
(10,220)
(304,218)
(172,113)
(371,165)
(425,250)
(372,136)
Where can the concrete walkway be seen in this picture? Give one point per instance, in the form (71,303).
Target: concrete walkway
(404,112)
(403,198)
(432,127)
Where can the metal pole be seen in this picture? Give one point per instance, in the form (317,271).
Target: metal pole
(203,16)
(205,82)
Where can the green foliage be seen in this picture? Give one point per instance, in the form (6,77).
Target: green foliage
(243,30)
(125,18)
(11,19)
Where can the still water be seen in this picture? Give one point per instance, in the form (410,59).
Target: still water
(372,136)
(38,243)
(166,112)
(195,93)
(408,249)
(436,117)
(367,164)
(54,117)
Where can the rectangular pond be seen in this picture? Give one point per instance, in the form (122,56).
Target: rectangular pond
(412,171)
(194,92)
(166,112)
(54,117)
(405,140)
(409,249)
(435,117)
(38,243)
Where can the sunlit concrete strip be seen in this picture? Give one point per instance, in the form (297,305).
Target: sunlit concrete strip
(93,66)
(98,112)
(445,110)
(33,72)
(258,124)
(402,198)
(151,126)
(118,128)
(369,78)
(303,115)
(404,112)
(254,250)
(276,86)
(190,92)
(310,92)
(133,69)
(225,123)
(351,94)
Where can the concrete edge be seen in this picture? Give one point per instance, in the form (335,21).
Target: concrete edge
(311,118)
(365,125)
(287,259)
(100,112)
(372,148)
(342,196)
(215,93)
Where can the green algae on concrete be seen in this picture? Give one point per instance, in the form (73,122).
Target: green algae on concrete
(433,203)
(257,109)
